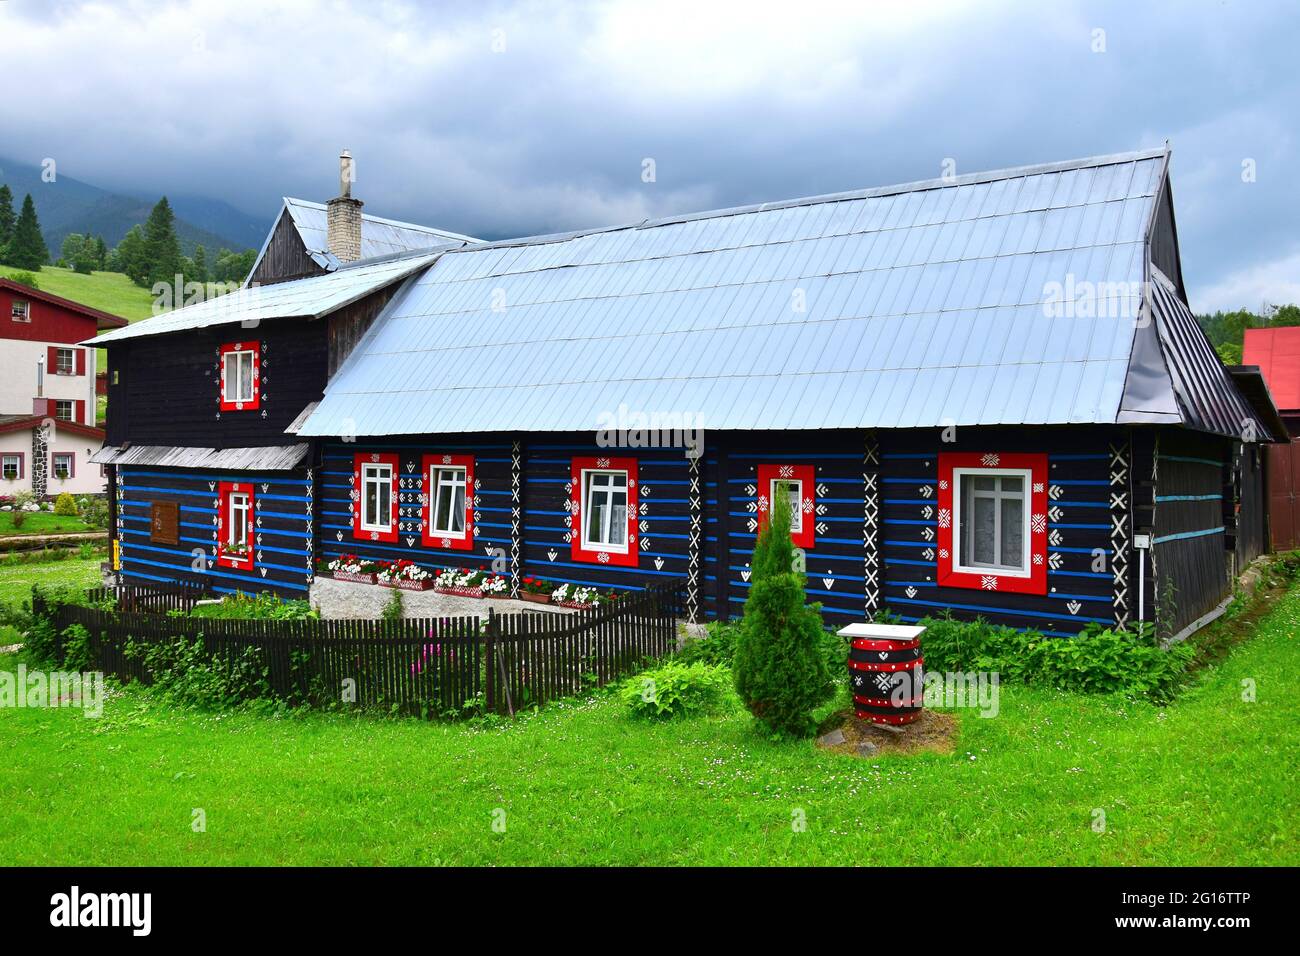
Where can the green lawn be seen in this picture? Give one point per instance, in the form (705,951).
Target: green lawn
(42,522)
(16,579)
(1209,780)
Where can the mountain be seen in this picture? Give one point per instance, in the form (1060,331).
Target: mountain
(69,205)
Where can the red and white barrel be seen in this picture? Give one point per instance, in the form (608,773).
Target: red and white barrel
(886,672)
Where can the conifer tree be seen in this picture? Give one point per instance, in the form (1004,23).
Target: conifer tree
(162,250)
(7,218)
(780,667)
(27,248)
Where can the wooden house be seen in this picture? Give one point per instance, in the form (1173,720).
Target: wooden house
(984,394)
(207,481)
(1275,352)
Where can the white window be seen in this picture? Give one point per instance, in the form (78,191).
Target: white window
(447,514)
(21,311)
(992,520)
(10,466)
(376,497)
(792,488)
(237,372)
(237,536)
(64,410)
(62,464)
(66,363)
(605,496)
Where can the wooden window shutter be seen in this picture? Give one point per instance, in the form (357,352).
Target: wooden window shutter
(79,415)
(52,360)
(164,522)
(81,361)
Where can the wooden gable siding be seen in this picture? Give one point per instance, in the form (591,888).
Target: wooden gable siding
(491,513)
(347,326)
(286,258)
(168,389)
(1190,551)
(283,554)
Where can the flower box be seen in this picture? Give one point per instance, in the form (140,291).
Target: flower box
(534,597)
(496,595)
(406,584)
(460,592)
(576,605)
(353,576)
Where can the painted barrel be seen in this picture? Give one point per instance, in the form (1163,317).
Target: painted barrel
(886,678)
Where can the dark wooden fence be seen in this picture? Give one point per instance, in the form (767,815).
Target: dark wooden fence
(430,667)
(155,600)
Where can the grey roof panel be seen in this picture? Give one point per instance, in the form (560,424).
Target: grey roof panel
(270,458)
(924,303)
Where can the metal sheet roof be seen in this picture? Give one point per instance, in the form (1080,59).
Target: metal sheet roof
(271,458)
(379,237)
(905,306)
(1277,353)
(301,298)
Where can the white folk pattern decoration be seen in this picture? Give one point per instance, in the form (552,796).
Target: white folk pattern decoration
(989,461)
(989,582)
(871,518)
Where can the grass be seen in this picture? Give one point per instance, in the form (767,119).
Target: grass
(42,522)
(16,579)
(1209,780)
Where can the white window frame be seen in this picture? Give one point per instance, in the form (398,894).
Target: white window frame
(439,481)
(376,473)
(587,491)
(66,456)
(71,356)
(20,311)
(239,503)
(796,507)
(958,502)
(237,393)
(72,410)
(5,462)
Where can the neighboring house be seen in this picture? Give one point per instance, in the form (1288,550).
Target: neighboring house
(1276,353)
(47,393)
(984,395)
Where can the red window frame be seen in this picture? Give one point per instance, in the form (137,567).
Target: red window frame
(375,458)
(465,542)
(576,505)
(225,491)
(255,348)
(806,476)
(21,461)
(948,575)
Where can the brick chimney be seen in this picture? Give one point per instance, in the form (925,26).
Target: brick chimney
(344,229)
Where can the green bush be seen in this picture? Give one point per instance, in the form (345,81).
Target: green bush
(1098,661)
(780,660)
(76,649)
(678,690)
(94,511)
(186,674)
(392,607)
(265,606)
(718,647)
(65,505)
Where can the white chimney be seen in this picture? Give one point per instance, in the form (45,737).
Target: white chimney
(343,232)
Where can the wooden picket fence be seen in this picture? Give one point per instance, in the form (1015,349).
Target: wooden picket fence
(429,667)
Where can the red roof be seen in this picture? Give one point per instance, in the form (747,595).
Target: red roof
(1277,353)
(18,423)
(103,320)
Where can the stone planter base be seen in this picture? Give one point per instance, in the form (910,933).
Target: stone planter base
(407,585)
(461,592)
(354,578)
(534,598)
(576,605)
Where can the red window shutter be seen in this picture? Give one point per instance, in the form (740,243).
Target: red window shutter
(429,463)
(81,361)
(72,464)
(805,475)
(948,538)
(255,348)
(22,462)
(576,506)
(358,490)
(52,360)
(80,414)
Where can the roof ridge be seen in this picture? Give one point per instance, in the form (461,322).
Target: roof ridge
(402,223)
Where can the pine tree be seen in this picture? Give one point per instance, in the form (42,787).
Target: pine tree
(7,219)
(101,254)
(129,256)
(200,265)
(27,248)
(162,250)
(780,667)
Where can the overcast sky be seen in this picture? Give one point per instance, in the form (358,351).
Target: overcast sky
(503,119)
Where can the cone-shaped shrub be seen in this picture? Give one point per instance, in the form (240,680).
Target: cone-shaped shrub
(780,668)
